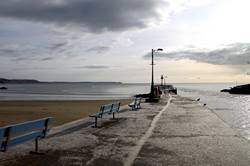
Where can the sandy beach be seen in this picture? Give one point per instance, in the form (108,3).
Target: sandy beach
(62,111)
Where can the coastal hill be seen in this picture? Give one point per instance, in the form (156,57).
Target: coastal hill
(17,81)
(33,81)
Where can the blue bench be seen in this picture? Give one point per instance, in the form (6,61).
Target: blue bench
(136,104)
(106,109)
(19,133)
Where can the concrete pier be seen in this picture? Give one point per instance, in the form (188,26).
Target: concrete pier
(176,131)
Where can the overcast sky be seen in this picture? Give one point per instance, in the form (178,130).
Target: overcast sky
(111,40)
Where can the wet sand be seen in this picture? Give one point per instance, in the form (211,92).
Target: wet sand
(62,111)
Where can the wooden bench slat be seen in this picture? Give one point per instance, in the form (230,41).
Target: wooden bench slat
(107,108)
(25,138)
(27,126)
(116,107)
(96,115)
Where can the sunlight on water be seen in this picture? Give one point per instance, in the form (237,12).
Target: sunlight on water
(233,109)
(71,91)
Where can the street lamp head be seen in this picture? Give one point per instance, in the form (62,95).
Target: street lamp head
(159,49)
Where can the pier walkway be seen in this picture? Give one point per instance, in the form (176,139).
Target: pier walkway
(176,131)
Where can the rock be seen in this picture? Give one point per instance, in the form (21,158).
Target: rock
(225,90)
(241,89)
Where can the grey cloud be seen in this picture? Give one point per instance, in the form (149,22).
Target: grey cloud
(23,58)
(58,45)
(10,51)
(233,54)
(93,67)
(47,59)
(32,68)
(24,52)
(18,52)
(94,15)
(99,49)
(6,51)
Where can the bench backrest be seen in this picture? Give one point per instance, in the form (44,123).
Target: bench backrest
(116,107)
(18,133)
(109,108)
(138,101)
(106,109)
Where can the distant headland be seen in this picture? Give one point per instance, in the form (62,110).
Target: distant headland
(241,89)
(33,81)
(17,81)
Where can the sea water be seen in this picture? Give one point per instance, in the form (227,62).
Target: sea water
(233,109)
(71,91)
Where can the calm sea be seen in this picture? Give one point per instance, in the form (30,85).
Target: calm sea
(71,91)
(233,109)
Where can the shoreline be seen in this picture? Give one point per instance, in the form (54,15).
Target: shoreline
(21,97)
(62,111)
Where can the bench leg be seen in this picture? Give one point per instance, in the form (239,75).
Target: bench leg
(4,147)
(95,125)
(113,115)
(5,143)
(36,148)
(95,122)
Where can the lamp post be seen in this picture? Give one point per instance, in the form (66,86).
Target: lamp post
(152,80)
(162,80)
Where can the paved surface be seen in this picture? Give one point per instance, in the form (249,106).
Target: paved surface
(188,134)
(182,132)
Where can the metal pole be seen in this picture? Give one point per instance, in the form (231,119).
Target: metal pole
(152,81)
(162,80)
